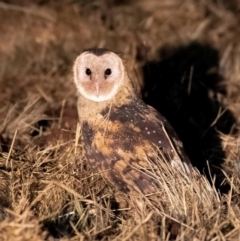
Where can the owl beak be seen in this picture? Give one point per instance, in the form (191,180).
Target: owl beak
(96,89)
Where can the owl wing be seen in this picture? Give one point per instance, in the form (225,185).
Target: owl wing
(128,140)
(172,137)
(144,125)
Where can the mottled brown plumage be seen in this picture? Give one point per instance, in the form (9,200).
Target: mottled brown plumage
(123,137)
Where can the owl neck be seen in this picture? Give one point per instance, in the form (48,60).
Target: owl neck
(88,110)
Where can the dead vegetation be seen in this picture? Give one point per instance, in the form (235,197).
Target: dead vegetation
(47,190)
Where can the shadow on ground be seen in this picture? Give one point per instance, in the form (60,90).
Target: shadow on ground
(179,87)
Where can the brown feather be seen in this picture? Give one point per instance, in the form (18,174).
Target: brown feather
(120,148)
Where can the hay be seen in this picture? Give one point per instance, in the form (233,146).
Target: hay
(174,51)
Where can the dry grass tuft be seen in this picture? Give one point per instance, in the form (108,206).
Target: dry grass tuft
(174,51)
(22,225)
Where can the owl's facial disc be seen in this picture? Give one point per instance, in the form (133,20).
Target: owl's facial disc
(98,78)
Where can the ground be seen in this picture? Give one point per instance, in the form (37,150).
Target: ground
(184,59)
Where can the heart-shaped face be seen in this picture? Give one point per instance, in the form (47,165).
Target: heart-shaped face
(98,75)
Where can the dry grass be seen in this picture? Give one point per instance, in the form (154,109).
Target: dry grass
(47,190)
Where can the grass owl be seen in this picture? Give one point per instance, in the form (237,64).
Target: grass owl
(123,138)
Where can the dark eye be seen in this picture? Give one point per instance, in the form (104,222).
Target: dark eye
(88,72)
(108,71)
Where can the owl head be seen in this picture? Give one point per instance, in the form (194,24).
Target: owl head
(98,74)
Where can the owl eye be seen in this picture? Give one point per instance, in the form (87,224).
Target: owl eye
(88,72)
(108,72)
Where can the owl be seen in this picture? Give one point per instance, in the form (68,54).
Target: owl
(123,138)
